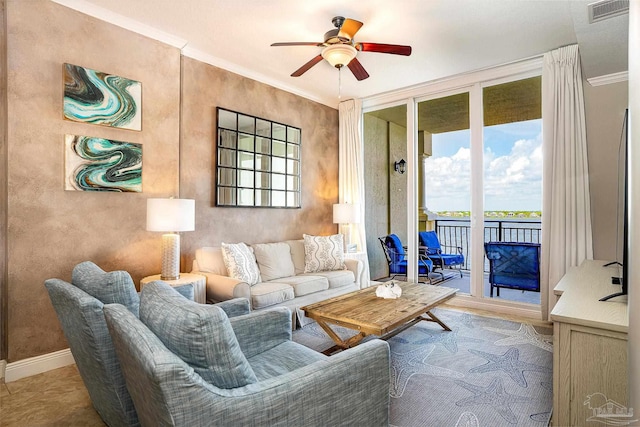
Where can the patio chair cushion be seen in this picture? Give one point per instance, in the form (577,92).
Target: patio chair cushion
(108,287)
(199,334)
(398,261)
(434,250)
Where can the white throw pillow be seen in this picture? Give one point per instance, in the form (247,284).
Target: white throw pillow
(297,254)
(274,260)
(323,253)
(240,262)
(210,260)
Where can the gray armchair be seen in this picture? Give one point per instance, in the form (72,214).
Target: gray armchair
(190,365)
(79,307)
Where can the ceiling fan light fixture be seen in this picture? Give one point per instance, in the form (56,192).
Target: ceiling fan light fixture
(339,55)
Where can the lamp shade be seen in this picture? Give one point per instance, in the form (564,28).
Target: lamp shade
(339,55)
(171,214)
(346,213)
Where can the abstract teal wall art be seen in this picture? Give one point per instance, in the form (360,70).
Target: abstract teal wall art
(98,164)
(99,98)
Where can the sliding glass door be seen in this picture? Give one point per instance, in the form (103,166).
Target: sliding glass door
(444,143)
(473,174)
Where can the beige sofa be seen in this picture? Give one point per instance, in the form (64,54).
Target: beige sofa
(283,280)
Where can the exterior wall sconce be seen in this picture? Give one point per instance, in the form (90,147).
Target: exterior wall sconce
(400,166)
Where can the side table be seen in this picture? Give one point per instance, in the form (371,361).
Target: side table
(198,281)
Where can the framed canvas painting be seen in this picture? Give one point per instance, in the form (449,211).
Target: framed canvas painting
(103,99)
(98,164)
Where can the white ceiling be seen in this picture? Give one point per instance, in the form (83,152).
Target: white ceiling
(448,37)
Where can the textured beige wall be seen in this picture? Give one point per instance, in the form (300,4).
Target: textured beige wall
(604,109)
(50,229)
(206,87)
(3,183)
(397,182)
(376,184)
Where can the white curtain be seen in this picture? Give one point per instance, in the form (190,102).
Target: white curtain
(351,170)
(566,216)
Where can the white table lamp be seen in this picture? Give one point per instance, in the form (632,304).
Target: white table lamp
(170,216)
(347,213)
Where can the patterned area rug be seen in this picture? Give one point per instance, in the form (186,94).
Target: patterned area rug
(485,372)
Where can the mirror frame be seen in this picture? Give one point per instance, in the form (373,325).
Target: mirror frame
(258,162)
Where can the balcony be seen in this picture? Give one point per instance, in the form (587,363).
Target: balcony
(456,232)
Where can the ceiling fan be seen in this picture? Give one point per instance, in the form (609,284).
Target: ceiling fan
(340,49)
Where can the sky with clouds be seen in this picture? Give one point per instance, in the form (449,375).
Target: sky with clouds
(512,169)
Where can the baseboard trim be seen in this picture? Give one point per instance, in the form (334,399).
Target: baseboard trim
(514,309)
(38,364)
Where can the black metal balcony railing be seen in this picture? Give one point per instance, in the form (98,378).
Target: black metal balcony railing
(457,233)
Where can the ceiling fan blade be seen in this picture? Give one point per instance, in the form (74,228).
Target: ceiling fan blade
(300,71)
(357,69)
(395,49)
(297,44)
(349,28)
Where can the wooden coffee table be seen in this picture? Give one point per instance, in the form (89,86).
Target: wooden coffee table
(365,312)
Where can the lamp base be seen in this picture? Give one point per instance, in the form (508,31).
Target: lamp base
(170,256)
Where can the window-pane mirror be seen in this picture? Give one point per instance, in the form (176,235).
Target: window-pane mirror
(258,162)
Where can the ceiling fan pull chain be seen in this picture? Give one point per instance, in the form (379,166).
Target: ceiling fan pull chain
(340,83)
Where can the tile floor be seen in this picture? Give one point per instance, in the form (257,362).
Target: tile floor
(58,398)
(55,398)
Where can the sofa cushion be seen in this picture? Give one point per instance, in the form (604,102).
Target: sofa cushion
(323,253)
(306,284)
(336,278)
(108,287)
(210,260)
(199,334)
(274,260)
(265,294)
(297,254)
(240,262)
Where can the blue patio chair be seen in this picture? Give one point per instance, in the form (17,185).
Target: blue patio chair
(397,258)
(514,265)
(431,244)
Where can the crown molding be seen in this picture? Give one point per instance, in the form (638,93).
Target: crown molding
(251,74)
(622,76)
(522,68)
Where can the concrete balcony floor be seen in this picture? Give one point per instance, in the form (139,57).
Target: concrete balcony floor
(452,279)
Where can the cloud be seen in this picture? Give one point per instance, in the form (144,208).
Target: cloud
(512,181)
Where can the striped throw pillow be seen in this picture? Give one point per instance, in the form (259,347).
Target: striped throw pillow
(241,262)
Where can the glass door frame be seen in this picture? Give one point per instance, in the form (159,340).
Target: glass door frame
(472,82)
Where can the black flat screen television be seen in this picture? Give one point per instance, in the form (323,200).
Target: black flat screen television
(623,217)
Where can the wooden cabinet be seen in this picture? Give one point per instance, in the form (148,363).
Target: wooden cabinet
(590,346)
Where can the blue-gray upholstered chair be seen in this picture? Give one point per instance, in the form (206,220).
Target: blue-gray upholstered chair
(190,365)
(79,309)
